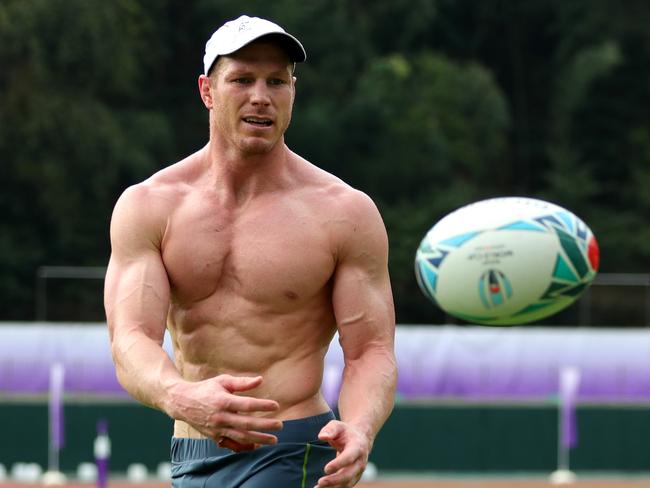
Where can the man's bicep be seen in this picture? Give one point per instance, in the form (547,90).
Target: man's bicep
(363,307)
(137,296)
(362,297)
(137,286)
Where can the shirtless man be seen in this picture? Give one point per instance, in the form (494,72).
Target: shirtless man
(253,258)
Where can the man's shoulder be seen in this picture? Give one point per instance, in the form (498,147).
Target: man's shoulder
(144,208)
(148,204)
(334,191)
(148,195)
(166,185)
(345,208)
(345,198)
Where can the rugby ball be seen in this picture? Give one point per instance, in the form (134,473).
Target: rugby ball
(506,261)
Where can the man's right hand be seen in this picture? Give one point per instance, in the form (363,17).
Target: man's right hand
(214,409)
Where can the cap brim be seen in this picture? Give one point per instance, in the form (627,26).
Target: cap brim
(291,45)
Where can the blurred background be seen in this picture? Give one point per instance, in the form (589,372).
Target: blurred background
(426,105)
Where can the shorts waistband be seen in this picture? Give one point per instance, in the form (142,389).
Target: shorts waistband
(301,430)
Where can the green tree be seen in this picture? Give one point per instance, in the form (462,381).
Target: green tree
(424,104)
(424,135)
(598,142)
(75,128)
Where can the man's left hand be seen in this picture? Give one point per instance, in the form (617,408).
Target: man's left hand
(352,450)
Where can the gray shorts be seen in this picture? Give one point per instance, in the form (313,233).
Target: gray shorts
(296,461)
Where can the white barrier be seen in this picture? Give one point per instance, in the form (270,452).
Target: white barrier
(137,473)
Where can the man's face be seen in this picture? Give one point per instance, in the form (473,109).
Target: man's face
(253,92)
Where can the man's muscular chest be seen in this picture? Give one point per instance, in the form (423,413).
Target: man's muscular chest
(273,252)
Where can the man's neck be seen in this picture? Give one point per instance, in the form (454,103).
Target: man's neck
(238,177)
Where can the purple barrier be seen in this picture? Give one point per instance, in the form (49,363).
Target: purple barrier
(27,350)
(467,363)
(522,362)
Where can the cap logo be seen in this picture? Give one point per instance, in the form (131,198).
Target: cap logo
(244,26)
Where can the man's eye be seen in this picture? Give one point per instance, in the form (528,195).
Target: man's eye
(276,81)
(243,81)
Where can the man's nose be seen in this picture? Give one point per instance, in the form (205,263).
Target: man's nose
(260,94)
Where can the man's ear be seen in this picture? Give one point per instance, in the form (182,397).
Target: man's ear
(205,91)
(293,89)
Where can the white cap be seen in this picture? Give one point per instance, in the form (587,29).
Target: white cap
(235,34)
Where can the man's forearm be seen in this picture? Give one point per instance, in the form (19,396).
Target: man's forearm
(144,369)
(368,391)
